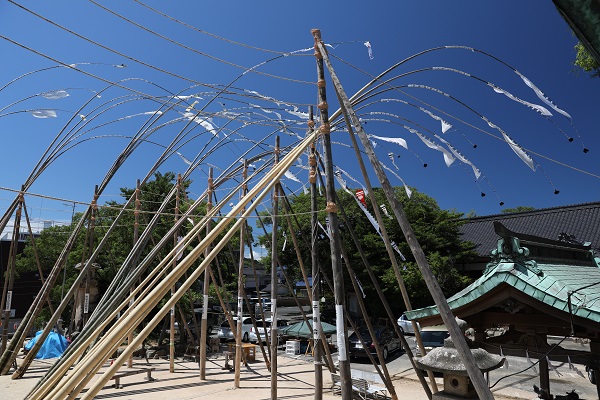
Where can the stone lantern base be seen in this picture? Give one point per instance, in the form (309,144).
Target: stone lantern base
(456,387)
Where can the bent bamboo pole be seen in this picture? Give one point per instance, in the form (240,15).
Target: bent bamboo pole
(100,352)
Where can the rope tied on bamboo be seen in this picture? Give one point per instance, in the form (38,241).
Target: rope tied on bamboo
(325,128)
(311,124)
(331,207)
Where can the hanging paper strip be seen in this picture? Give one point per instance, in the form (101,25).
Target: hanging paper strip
(369,49)
(505,365)
(552,367)
(531,362)
(370,217)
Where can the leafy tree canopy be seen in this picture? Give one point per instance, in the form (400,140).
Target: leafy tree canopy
(517,209)
(435,228)
(586,62)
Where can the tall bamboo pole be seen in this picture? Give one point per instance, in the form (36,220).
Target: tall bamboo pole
(206,286)
(316,277)
(9,278)
(274,280)
(172,316)
(331,208)
(240,299)
(464,352)
(136,235)
(395,267)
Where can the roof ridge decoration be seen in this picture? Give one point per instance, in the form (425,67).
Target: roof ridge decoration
(509,249)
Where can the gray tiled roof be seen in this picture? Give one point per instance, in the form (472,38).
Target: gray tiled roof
(581,221)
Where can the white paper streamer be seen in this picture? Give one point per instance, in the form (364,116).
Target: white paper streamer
(56,94)
(552,367)
(529,360)
(288,174)
(505,365)
(205,306)
(316,319)
(340,334)
(273,313)
(514,146)
(370,50)
(398,141)
(448,157)
(445,125)
(43,113)
(542,96)
(535,107)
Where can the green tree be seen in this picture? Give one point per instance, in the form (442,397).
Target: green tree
(51,241)
(436,230)
(585,61)
(517,209)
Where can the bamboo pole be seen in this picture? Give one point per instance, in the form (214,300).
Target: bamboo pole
(395,267)
(136,235)
(9,278)
(331,208)
(206,285)
(172,316)
(240,282)
(316,277)
(464,352)
(265,184)
(36,254)
(274,280)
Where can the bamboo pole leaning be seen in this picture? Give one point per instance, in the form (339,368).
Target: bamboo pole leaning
(116,334)
(114,306)
(464,352)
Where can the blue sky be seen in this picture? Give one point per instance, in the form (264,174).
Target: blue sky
(222,38)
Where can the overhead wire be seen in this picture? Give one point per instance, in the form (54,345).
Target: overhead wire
(469,124)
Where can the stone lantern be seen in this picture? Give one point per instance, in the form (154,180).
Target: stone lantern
(446,360)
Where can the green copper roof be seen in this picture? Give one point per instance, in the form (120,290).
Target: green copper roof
(561,269)
(551,287)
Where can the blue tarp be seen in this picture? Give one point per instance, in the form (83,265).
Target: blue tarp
(53,347)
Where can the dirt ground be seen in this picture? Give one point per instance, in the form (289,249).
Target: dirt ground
(295,380)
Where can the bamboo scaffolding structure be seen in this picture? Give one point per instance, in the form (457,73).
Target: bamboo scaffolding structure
(120,330)
(464,352)
(113,308)
(338,279)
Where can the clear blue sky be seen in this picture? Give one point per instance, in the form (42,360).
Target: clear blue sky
(529,36)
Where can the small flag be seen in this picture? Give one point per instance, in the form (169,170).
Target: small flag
(360,195)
